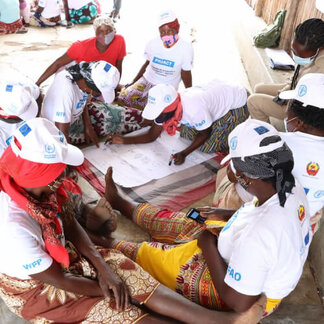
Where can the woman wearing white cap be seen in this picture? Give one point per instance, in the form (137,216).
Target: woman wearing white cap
(20,100)
(67,103)
(168,60)
(261,249)
(305,137)
(204,114)
(50,270)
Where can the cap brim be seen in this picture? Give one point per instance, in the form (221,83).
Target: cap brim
(151,112)
(290,94)
(31,112)
(226,159)
(108,95)
(74,156)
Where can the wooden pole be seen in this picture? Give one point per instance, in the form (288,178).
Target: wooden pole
(288,27)
(258,8)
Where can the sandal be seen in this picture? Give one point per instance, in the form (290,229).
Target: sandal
(22,30)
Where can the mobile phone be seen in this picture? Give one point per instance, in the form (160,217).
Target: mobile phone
(279,101)
(194,214)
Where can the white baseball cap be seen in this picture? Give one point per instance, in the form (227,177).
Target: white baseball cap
(106,78)
(309,90)
(159,97)
(39,140)
(244,140)
(16,100)
(166,17)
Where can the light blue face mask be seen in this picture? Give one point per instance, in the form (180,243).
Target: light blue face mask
(304,61)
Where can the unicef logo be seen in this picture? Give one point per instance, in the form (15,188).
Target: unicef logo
(302,90)
(233,143)
(167,98)
(50,149)
(319,194)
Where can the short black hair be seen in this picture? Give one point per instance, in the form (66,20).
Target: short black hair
(311,33)
(310,115)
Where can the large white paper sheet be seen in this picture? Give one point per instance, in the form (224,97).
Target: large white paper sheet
(134,165)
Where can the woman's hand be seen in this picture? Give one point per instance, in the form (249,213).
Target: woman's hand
(114,139)
(206,239)
(110,282)
(179,158)
(90,135)
(217,214)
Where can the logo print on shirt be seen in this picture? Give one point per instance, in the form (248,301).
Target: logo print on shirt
(301,213)
(302,90)
(9,88)
(24,129)
(261,130)
(163,62)
(235,275)
(312,168)
(319,194)
(233,143)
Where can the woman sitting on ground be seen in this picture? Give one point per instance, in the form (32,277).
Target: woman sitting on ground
(168,60)
(106,46)
(57,275)
(259,243)
(80,11)
(206,115)
(67,103)
(10,21)
(47,14)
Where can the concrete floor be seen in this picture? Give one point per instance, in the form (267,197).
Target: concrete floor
(209,26)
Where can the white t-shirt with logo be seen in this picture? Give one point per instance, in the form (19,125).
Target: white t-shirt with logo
(77,4)
(308,152)
(202,105)
(51,8)
(64,101)
(166,63)
(265,247)
(22,249)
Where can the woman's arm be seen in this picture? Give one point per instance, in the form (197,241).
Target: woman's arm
(64,128)
(61,61)
(140,73)
(186,77)
(200,139)
(89,132)
(119,66)
(150,136)
(66,10)
(218,268)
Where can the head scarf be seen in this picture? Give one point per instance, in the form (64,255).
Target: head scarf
(83,71)
(103,20)
(16,173)
(276,164)
(174,25)
(172,125)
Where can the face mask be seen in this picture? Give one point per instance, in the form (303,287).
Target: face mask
(169,40)
(245,184)
(106,39)
(286,121)
(304,61)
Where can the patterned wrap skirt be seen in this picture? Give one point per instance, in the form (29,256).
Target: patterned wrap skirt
(84,14)
(10,28)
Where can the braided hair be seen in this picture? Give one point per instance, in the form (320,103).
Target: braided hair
(311,115)
(311,33)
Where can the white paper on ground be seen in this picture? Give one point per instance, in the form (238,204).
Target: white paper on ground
(136,164)
(279,59)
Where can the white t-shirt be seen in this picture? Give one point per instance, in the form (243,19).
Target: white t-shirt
(6,131)
(22,249)
(202,105)
(308,152)
(266,247)
(51,8)
(77,4)
(166,63)
(64,101)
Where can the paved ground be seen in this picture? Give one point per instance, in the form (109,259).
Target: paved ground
(209,25)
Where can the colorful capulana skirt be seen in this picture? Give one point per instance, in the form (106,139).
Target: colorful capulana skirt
(135,95)
(106,119)
(37,20)
(181,267)
(85,14)
(217,141)
(42,303)
(10,28)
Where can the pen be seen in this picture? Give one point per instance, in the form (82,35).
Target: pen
(170,160)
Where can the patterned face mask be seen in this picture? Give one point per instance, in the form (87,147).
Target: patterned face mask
(170,40)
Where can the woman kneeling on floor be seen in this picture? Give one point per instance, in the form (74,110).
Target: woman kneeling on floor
(57,275)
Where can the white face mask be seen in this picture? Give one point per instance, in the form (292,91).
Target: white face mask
(286,121)
(109,37)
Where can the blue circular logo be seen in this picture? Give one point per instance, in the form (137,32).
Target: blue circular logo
(49,148)
(167,98)
(233,143)
(302,90)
